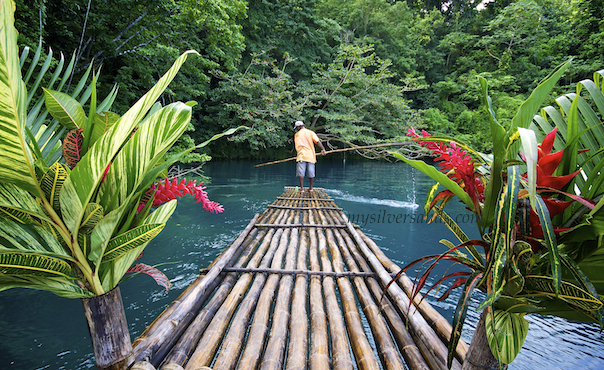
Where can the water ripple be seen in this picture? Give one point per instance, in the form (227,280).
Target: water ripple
(338,194)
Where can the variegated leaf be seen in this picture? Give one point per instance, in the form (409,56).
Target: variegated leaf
(51,184)
(28,263)
(131,240)
(65,109)
(92,216)
(159,277)
(86,176)
(112,274)
(569,293)
(16,215)
(550,241)
(146,148)
(17,164)
(506,333)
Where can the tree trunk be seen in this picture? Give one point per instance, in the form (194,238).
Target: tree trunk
(109,331)
(479,355)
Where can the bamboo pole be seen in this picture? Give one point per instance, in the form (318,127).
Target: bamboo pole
(297,352)
(341,358)
(234,339)
(432,347)
(436,320)
(386,347)
(275,349)
(213,335)
(298,225)
(260,324)
(303,208)
(180,312)
(296,272)
(407,347)
(319,358)
(375,146)
(186,344)
(361,348)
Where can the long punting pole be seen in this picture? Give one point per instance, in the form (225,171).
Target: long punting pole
(375,146)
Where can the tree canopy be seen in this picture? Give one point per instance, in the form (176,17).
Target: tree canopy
(357,71)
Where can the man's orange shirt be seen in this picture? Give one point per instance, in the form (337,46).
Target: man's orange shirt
(304,141)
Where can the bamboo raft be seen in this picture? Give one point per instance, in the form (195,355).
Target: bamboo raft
(299,288)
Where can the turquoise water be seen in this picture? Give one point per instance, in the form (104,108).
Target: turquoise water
(41,331)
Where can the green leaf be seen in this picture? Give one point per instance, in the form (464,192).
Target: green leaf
(529,146)
(102,123)
(51,184)
(31,263)
(440,177)
(569,293)
(16,166)
(86,176)
(500,142)
(92,215)
(460,315)
(65,109)
(550,240)
(131,240)
(506,332)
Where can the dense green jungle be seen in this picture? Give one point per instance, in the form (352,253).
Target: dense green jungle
(356,71)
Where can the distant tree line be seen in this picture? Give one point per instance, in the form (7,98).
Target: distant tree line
(357,71)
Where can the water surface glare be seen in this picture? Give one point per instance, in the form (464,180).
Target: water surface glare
(41,331)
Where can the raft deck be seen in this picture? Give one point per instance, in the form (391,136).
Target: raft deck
(301,287)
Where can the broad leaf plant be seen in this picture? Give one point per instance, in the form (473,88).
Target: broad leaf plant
(77,209)
(539,209)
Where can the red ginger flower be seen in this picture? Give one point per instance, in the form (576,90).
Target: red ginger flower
(167,190)
(547,163)
(456,163)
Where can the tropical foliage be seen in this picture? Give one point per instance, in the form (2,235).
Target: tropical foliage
(351,100)
(539,209)
(444,44)
(74,226)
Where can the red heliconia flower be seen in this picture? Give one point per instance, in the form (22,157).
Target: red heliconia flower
(547,163)
(167,190)
(456,164)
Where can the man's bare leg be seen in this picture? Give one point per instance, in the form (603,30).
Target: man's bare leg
(301,184)
(311,181)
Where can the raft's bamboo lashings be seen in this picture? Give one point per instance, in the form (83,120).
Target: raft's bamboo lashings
(300,288)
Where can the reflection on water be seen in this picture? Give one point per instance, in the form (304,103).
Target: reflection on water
(41,331)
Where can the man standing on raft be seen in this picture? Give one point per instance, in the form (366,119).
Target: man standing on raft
(304,141)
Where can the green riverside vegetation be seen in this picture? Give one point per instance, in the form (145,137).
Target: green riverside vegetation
(357,71)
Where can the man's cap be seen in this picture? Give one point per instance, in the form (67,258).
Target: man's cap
(298,123)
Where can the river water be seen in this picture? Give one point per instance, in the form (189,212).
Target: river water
(41,331)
